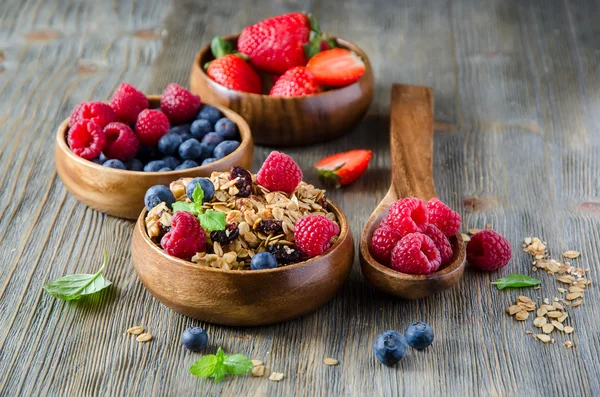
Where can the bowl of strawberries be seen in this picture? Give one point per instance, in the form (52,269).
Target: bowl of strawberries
(293,84)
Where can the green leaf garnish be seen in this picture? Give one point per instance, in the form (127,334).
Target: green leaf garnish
(198,195)
(218,365)
(183,206)
(74,286)
(516,281)
(238,364)
(212,220)
(205,366)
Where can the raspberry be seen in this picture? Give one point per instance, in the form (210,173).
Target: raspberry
(98,112)
(179,104)
(416,254)
(121,142)
(443,217)
(127,102)
(488,250)
(186,236)
(86,139)
(313,234)
(383,242)
(407,215)
(441,243)
(279,172)
(151,125)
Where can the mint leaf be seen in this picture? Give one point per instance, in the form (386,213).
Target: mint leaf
(184,206)
(205,366)
(212,220)
(74,286)
(237,364)
(220,372)
(516,281)
(198,195)
(218,365)
(220,354)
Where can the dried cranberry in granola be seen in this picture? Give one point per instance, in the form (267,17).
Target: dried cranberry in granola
(244,182)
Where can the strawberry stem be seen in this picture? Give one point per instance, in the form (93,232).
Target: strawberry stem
(220,47)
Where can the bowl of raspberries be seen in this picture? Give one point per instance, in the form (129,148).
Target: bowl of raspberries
(294,84)
(109,153)
(238,248)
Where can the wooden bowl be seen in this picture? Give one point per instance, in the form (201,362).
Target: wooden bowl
(290,121)
(243,297)
(121,193)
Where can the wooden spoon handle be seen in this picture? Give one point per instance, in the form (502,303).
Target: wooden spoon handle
(411,141)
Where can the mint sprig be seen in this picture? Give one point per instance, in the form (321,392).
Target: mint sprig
(218,365)
(210,220)
(516,281)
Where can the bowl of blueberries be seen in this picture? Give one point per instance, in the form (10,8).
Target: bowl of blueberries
(108,154)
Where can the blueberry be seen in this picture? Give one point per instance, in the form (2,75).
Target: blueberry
(97,161)
(171,162)
(210,113)
(224,148)
(200,127)
(209,160)
(102,157)
(114,163)
(194,339)
(165,169)
(226,128)
(155,166)
(419,335)
(207,150)
(207,187)
(180,129)
(169,143)
(389,347)
(156,195)
(187,164)
(212,138)
(134,165)
(263,260)
(190,149)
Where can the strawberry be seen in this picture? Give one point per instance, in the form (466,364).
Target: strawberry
(344,168)
(295,82)
(231,70)
(337,67)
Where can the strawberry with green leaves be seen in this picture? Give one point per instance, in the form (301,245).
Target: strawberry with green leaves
(231,69)
(344,168)
(295,82)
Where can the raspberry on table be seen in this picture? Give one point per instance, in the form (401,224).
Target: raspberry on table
(86,139)
(441,243)
(415,254)
(98,112)
(151,125)
(313,234)
(186,236)
(127,102)
(442,216)
(121,142)
(408,215)
(488,250)
(383,242)
(179,104)
(279,172)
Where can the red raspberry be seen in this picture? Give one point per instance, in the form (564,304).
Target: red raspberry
(441,243)
(407,215)
(443,217)
(488,250)
(313,234)
(121,142)
(151,125)
(279,172)
(179,104)
(383,242)
(98,112)
(127,102)
(186,236)
(86,139)
(416,254)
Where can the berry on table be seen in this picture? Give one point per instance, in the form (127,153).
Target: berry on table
(134,165)
(442,216)
(186,165)
(295,82)
(171,162)
(86,139)
(199,128)
(263,260)
(194,339)
(313,234)
(190,149)
(209,113)
(169,143)
(226,128)
(155,166)
(186,236)
(114,163)
(407,215)
(127,102)
(279,172)
(158,194)
(209,160)
(98,112)
(179,104)
(488,250)
(225,148)
(344,168)
(441,243)
(389,347)
(419,335)
(207,187)
(121,142)
(151,125)
(383,242)
(415,254)
(336,67)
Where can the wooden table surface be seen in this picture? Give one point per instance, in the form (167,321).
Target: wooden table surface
(516,83)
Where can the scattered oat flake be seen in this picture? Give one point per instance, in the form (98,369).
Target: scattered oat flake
(330,361)
(547,328)
(561,290)
(543,337)
(473,231)
(573,295)
(144,337)
(576,303)
(571,254)
(558,325)
(465,237)
(258,371)
(540,321)
(256,363)
(522,315)
(528,332)
(569,329)
(135,330)
(276,376)
(568,344)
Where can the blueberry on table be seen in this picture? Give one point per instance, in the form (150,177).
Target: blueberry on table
(200,127)
(389,347)
(156,195)
(226,128)
(207,187)
(187,164)
(134,165)
(169,143)
(210,113)
(209,160)
(225,148)
(171,162)
(155,166)
(190,149)
(263,260)
(212,138)
(194,339)
(419,335)
(114,163)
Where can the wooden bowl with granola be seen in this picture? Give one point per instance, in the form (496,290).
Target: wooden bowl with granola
(219,283)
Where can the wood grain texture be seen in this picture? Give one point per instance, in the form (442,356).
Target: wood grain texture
(517,81)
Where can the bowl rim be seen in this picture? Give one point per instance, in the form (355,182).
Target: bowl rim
(344,234)
(246,142)
(343,43)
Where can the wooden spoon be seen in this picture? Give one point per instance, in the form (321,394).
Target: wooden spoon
(411,149)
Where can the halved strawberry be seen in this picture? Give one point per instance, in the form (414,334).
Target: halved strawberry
(337,67)
(344,168)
